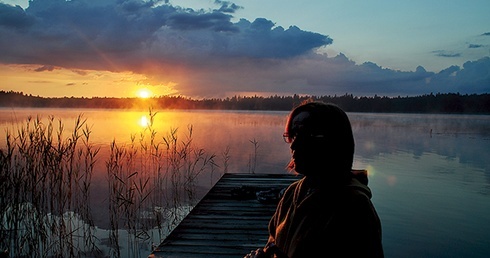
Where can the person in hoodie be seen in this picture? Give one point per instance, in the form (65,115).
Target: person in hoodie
(328,212)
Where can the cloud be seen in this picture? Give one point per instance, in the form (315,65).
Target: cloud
(444,53)
(121,34)
(45,68)
(215,21)
(204,53)
(227,7)
(473,77)
(14,17)
(475,46)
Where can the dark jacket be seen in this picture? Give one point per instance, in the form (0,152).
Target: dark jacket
(314,220)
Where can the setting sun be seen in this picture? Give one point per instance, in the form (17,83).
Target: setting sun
(144,93)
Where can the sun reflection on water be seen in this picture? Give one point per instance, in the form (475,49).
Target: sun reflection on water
(144,121)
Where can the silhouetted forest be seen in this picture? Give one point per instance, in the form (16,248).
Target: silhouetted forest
(431,103)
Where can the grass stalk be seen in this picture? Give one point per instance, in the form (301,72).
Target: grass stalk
(46,182)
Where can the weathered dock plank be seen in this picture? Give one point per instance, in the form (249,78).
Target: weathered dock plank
(224,224)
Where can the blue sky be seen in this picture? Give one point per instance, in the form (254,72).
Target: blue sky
(201,48)
(393,34)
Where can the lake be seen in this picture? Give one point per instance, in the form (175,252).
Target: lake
(429,173)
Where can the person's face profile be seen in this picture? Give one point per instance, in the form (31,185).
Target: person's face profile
(303,130)
(305,145)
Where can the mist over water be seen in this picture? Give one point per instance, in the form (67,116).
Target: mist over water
(429,173)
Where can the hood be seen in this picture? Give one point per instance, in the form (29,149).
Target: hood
(359,181)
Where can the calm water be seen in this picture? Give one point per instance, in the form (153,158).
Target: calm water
(430,174)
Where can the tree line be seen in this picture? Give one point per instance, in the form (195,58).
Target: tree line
(429,103)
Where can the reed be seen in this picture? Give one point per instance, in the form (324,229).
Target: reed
(46,179)
(152,183)
(252,158)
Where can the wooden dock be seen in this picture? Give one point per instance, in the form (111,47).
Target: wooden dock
(228,222)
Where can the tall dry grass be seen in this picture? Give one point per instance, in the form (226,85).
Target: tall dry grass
(45,186)
(45,190)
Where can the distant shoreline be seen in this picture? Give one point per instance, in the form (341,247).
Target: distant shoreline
(446,103)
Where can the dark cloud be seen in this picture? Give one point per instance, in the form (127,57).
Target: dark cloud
(443,53)
(475,46)
(475,75)
(45,68)
(215,21)
(260,39)
(14,17)
(122,34)
(227,7)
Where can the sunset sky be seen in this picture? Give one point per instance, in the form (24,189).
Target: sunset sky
(216,49)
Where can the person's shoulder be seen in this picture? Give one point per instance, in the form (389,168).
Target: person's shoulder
(356,198)
(355,189)
(293,186)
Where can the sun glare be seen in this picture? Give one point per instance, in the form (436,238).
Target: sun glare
(144,93)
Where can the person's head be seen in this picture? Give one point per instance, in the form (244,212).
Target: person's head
(322,143)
